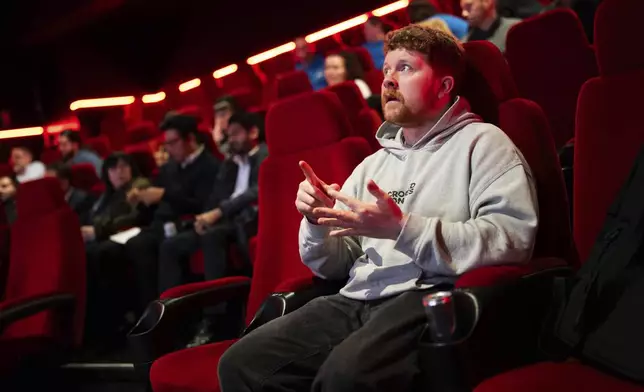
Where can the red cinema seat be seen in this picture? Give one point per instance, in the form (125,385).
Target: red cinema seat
(550,58)
(291,83)
(278,65)
(50,156)
(41,316)
(364,57)
(142,132)
(365,121)
(6,170)
(143,158)
(84,177)
(325,146)
(243,78)
(100,145)
(605,149)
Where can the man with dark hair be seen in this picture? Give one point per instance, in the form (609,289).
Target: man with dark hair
(374,33)
(229,215)
(485,22)
(24,165)
(422,11)
(8,188)
(224,107)
(307,60)
(78,200)
(179,191)
(69,144)
(447,193)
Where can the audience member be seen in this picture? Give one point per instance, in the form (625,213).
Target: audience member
(69,143)
(78,200)
(345,66)
(8,188)
(310,62)
(422,10)
(485,22)
(374,33)
(180,189)
(446,194)
(24,166)
(437,24)
(224,107)
(107,263)
(230,217)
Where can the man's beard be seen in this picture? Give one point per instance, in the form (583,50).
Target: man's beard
(398,113)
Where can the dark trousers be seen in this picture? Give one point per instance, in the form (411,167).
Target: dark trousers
(107,288)
(332,344)
(143,253)
(175,255)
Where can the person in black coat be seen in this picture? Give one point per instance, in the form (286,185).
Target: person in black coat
(179,191)
(79,200)
(228,217)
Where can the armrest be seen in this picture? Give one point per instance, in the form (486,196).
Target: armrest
(498,329)
(20,308)
(303,290)
(165,323)
(504,274)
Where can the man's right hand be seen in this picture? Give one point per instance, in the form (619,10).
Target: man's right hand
(313,193)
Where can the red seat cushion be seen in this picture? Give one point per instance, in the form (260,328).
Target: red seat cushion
(14,352)
(556,377)
(176,374)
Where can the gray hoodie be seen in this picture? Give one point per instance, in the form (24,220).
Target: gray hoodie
(470,201)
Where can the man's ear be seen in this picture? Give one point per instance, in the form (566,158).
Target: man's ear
(446,86)
(253,134)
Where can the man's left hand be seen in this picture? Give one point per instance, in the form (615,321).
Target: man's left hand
(151,195)
(382,219)
(207,219)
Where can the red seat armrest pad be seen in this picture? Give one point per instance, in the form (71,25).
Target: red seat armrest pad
(499,274)
(194,288)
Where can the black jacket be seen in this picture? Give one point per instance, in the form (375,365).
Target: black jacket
(186,189)
(81,202)
(225,185)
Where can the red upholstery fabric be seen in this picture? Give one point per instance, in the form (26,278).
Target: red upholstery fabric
(361,116)
(292,83)
(84,176)
(364,57)
(243,78)
(246,97)
(354,36)
(141,132)
(191,288)
(329,45)
(176,374)
(5,170)
(100,145)
(56,265)
(374,79)
(197,102)
(50,156)
(143,158)
(500,274)
(556,377)
(278,65)
(549,50)
(617,49)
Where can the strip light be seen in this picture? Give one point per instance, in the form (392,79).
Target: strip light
(269,54)
(329,31)
(58,128)
(388,9)
(21,132)
(225,71)
(153,98)
(101,102)
(189,85)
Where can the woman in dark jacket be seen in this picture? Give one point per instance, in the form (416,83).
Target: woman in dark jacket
(107,266)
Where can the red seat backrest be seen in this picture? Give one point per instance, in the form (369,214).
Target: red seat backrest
(489,87)
(551,58)
(608,134)
(100,145)
(278,65)
(291,83)
(55,265)
(143,157)
(50,156)
(364,57)
(310,127)
(84,176)
(141,132)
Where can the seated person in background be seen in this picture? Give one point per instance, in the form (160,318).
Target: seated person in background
(469,200)
(69,144)
(224,107)
(422,10)
(345,66)
(485,22)
(112,212)
(374,33)
(107,264)
(437,24)
(78,200)
(180,190)
(310,62)
(24,166)
(8,188)
(230,217)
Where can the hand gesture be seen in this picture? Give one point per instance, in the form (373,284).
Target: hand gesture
(313,193)
(88,233)
(151,195)
(382,219)
(207,219)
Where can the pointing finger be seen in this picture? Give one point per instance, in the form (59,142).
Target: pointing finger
(310,175)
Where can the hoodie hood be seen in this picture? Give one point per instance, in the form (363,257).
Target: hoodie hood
(389,135)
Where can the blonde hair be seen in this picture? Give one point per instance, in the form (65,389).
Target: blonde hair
(437,24)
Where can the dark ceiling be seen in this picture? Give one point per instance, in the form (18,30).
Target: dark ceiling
(55,51)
